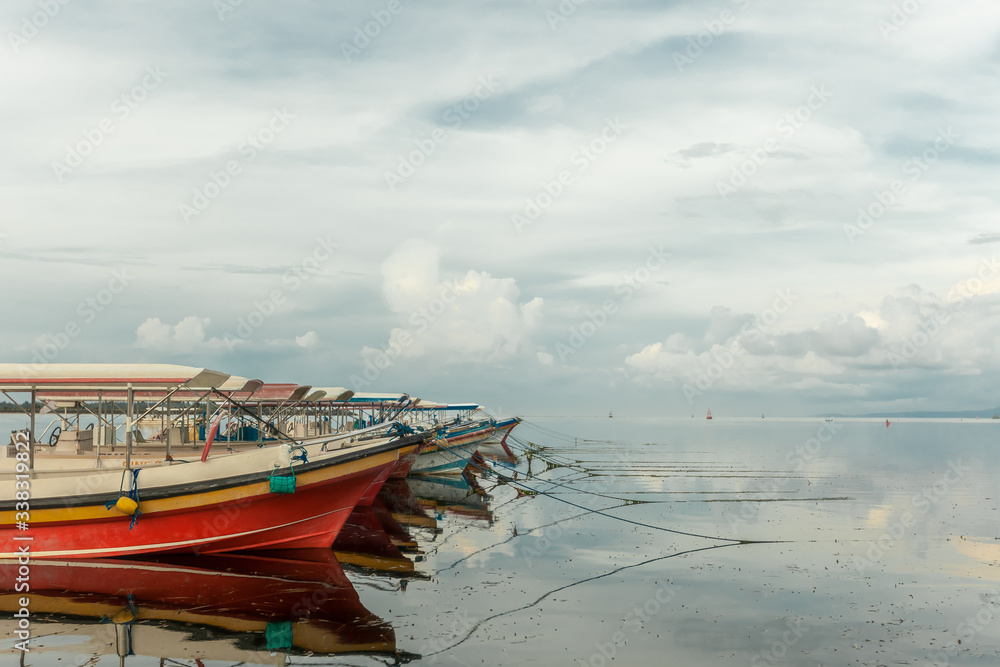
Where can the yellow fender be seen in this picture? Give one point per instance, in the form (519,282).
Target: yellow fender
(126,505)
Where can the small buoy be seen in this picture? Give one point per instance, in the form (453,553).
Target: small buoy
(127,505)
(123,616)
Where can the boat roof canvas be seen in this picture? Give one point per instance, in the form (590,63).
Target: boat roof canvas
(237,383)
(244,389)
(22,377)
(275,392)
(267,392)
(431,405)
(336,394)
(271,391)
(375,397)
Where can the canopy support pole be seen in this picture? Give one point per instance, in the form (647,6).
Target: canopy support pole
(169,425)
(31,431)
(99,428)
(128,426)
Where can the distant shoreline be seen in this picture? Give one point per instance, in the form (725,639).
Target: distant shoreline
(878,419)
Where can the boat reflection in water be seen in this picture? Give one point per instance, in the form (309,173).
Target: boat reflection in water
(255,608)
(438,495)
(372,539)
(377,537)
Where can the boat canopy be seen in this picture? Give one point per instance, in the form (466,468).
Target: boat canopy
(455,407)
(376,397)
(270,392)
(336,394)
(241,384)
(244,390)
(424,404)
(24,377)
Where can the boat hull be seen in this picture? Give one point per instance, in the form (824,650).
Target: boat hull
(451,454)
(405,464)
(502,429)
(446,459)
(223,504)
(371,492)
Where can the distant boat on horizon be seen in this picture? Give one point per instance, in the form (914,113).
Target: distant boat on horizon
(610,416)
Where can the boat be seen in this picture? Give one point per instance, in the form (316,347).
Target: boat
(709,414)
(450,451)
(450,444)
(364,409)
(287,496)
(252,608)
(279,409)
(496,445)
(503,427)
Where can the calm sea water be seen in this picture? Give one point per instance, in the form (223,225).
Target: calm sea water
(615,541)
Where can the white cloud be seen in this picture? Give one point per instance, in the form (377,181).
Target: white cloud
(474,317)
(188,335)
(911,333)
(409,275)
(307,340)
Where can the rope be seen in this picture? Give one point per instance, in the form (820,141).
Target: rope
(525,446)
(399,429)
(515,535)
(133,493)
(517,484)
(559,434)
(479,624)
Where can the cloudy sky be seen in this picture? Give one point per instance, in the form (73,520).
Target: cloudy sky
(549,208)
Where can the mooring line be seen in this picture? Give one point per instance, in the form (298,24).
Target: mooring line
(583,471)
(527,531)
(612,516)
(559,434)
(570,585)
